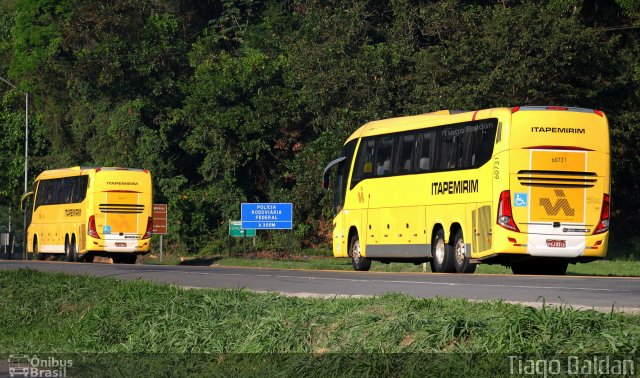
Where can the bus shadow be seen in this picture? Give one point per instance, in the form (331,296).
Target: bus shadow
(200,261)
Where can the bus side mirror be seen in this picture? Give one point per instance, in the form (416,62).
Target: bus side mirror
(326,173)
(23,200)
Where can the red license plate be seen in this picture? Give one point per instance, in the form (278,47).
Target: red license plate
(556,243)
(121,244)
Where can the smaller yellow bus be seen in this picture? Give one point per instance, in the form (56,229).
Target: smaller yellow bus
(83,212)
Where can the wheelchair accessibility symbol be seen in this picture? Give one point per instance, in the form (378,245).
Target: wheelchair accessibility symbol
(520,199)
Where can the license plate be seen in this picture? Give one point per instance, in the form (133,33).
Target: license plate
(121,244)
(557,243)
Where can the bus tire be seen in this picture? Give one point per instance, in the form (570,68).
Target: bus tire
(37,255)
(461,260)
(443,258)
(552,267)
(71,250)
(359,262)
(556,268)
(129,258)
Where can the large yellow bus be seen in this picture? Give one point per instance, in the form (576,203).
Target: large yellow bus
(526,187)
(82,212)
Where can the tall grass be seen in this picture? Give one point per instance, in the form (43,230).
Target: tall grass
(238,329)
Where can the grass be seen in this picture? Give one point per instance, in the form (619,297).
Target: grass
(156,329)
(621,268)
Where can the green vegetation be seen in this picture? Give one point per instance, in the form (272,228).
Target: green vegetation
(140,326)
(230,101)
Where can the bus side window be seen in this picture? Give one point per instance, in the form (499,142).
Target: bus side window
(364,161)
(37,200)
(43,188)
(80,189)
(57,194)
(445,151)
(484,146)
(425,152)
(384,154)
(67,189)
(405,153)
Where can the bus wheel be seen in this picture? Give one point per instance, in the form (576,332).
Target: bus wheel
(555,268)
(522,268)
(442,261)
(128,258)
(359,262)
(71,250)
(461,260)
(37,255)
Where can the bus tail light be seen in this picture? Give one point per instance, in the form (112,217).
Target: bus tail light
(91,228)
(603,224)
(505,216)
(149,232)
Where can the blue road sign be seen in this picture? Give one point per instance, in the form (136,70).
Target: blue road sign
(267,216)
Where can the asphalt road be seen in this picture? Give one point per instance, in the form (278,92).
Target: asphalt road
(600,293)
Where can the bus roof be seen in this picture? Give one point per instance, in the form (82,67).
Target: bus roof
(78,170)
(413,122)
(449,116)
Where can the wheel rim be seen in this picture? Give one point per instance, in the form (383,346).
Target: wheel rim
(460,251)
(439,251)
(355,251)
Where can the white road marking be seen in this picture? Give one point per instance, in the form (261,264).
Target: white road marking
(409,282)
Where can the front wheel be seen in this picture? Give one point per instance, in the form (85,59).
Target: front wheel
(37,255)
(359,262)
(461,261)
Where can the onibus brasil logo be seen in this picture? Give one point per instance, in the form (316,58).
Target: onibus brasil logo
(24,365)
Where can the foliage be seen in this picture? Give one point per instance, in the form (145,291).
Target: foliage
(245,100)
(160,329)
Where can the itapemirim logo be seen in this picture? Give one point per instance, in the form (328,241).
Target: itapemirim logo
(31,366)
(561,204)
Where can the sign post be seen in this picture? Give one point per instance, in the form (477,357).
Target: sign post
(160,223)
(236,231)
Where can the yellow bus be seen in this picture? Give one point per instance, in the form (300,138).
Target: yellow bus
(526,187)
(82,212)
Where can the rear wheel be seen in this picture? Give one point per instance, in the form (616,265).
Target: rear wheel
(442,261)
(553,267)
(461,261)
(129,258)
(71,250)
(359,262)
